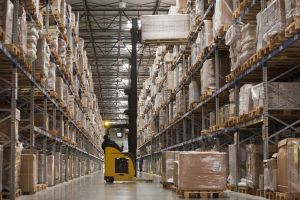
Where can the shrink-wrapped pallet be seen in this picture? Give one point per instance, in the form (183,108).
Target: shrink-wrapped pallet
(283,95)
(51,77)
(62,50)
(233,40)
(245,100)
(173,10)
(56,7)
(6,19)
(41,165)
(22,30)
(181,4)
(202,171)
(59,88)
(212,119)
(194,92)
(254,164)
(28,175)
(270,175)
(63,12)
(194,53)
(43,58)
(272,20)
(234,166)
(288,165)
(53,35)
(57,166)
(222,17)
(248,42)
(167,165)
(160,27)
(179,103)
(292,9)
(201,7)
(208,79)
(36,49)
(205,37)
(175,172)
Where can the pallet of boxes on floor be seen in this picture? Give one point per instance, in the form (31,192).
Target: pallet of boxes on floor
(57,124)
(231,90)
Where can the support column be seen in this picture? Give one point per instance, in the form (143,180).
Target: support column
(217,75)
(184,129)
(45,160)
(193,125)
(265,129)
(61,163)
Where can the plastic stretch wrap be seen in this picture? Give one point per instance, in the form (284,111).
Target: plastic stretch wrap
(63,12)
(224,114)
(248,42)
(284,95)
(270,175)
(59,88)
(28,175)
(22,30)
(165,26)
(194,53)
(53,33)
(69,63)
(222,16)
(51,77)
(6,179)
(245,101)
(50,170)
(173,10)
(40,165)
(201,6)
(194,92)
(205,36)
(288,165)
(181,4)
(192,21)
(254,165)
(179,103)
(62,50)
(273,19)
(212,118)
(202,171)
(292,9)
(233,40)
(6,19)
(208,79)
(43,59)
(233,170)
(167,165)
(55,6)
(32,49)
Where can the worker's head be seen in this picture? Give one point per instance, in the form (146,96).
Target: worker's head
(106,137)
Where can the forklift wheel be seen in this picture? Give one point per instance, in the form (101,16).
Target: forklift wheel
(109,179)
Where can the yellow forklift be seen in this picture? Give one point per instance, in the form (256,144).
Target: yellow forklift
(119,165)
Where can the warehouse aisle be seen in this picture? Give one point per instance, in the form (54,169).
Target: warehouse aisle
(93,187)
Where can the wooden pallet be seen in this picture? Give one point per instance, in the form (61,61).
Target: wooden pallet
(54,133)
(166,41)
(270,195)
(215,128)
(6,195)
(250,115)
(193,105)
(31,7)
(246,190)
(2,34)
(285,112)
(166,185)
(52,94)
(231,122)
(40,187)
(232,187)
(293,28)
(209,92)
(203,194)
(13,50)
(287,196)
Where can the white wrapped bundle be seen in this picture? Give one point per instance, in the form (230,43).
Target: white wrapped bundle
(51,77)
(6,19)
(56,6)
(194,54)
(208,79)
(156,27)
(233,40)
(22,31)
(179,103)
(292,9)
(63,12)
(245,101)
(273,19)
(59,88)
(173,10)
(222,16)
(205,36)
(53,33)
(194,92)
(248,43)
(32,40)
(62,50)
(43,57)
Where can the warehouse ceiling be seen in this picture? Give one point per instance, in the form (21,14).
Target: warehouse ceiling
(105,28)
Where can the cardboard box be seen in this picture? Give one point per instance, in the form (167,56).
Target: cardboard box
(28,176)
(254,164)
(287,157)
(202,171)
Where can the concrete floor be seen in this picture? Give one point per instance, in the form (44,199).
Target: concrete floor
(93,187)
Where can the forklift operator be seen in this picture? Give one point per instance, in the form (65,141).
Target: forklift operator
(108,142)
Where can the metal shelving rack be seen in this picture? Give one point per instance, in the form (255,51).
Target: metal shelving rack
(19,104)
(266,128)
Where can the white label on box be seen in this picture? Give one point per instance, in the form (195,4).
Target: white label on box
(216,166)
